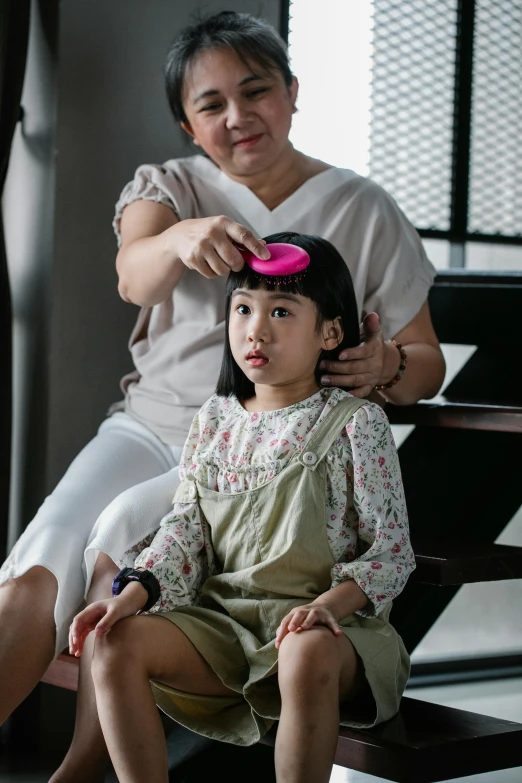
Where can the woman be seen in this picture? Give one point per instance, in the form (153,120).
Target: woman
(231,89)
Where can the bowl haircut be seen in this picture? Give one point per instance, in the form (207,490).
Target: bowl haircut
(256,43)
(327,282)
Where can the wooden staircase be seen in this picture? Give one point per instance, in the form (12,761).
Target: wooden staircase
(469,441)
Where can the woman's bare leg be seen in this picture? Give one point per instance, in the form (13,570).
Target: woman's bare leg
(27,637)
(316,671)
(138,649)
(87,757)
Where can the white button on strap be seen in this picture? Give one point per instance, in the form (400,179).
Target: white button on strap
(309,458)
(192,492)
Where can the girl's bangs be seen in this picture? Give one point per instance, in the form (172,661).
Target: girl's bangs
(247,278)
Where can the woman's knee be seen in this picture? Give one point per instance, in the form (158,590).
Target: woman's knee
(312,657)
(37,583)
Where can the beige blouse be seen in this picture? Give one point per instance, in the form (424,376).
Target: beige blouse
(176,346)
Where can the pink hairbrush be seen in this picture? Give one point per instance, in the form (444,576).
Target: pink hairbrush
(285,260)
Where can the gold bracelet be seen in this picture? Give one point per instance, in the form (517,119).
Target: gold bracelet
(400,371)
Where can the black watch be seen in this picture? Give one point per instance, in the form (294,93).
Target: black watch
(145,578)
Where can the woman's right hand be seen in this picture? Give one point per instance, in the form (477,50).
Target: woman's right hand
(209,245)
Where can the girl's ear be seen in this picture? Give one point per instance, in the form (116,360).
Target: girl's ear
(333,334)
(186,127)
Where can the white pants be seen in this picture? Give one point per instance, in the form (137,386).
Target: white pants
(100,504)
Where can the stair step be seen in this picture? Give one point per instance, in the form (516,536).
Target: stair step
(427,742)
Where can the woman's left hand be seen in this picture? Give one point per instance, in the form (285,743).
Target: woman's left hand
(304,617)
(359,369)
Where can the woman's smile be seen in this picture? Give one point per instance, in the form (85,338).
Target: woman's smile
(248,141)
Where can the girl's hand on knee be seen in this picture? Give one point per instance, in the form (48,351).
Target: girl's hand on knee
(302,618)
(99,617)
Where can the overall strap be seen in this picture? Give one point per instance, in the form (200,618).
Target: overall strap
(328,431)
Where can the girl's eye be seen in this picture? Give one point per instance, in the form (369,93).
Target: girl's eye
(243,310)
(210,107)
(280,312)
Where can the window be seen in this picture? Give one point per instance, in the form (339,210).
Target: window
(424,98)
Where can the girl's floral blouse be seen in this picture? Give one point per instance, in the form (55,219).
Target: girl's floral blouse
(229,449)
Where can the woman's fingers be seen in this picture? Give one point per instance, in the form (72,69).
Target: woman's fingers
(356,367)
(246,238)
(215,263)
(229,253)
(361,352)
(371,325)
(209,245)
(352,382)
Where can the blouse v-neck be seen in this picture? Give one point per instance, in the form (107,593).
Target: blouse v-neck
(267,220)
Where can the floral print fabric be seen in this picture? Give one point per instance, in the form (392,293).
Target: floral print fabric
(229,450)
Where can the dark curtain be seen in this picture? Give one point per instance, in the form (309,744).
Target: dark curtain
(14,34)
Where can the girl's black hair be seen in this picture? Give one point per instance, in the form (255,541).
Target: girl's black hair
(253,40)
(327,282)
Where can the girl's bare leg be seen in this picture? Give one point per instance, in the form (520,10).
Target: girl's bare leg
(27,636)
(87,757)
(135,650)
(316,671)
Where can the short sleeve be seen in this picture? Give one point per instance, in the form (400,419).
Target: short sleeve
(400,274)
(161,184)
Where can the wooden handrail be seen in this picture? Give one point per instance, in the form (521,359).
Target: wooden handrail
(458,415)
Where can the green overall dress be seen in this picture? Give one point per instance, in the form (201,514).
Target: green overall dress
(272,546)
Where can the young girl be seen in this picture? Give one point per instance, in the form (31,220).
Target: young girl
(287,541)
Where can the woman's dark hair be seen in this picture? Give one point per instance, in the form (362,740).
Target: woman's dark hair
(327,282)
(253,40)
